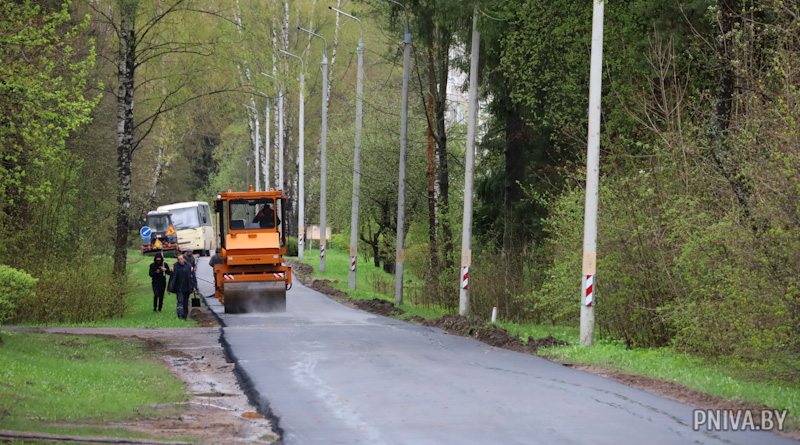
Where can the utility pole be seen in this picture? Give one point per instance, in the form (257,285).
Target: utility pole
(301,200)
(266,138)
(466,226)
(401,181)
(280,136)
(592,179)
(351,281)
(257,153)
(323,156)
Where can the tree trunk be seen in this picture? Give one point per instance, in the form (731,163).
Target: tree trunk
(720,149)
(433,246)
(161,162)
(252,111)
(438,69)
(333,51)
(125,76)
(514,170)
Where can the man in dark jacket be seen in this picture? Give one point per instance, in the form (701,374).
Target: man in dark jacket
(216,259)
(188,255)
(158,272)
(185,283)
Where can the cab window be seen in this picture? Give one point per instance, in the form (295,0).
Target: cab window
(253,214)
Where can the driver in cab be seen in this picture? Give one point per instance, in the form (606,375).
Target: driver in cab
(265,218)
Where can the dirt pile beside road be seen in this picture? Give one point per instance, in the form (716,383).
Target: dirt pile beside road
(453,324)
(300,269)
(324,286)
(202,315)
(491,335)
(378,306)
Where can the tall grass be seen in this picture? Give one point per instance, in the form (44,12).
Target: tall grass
(75,292)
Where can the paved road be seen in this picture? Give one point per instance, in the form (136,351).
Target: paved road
(335,375)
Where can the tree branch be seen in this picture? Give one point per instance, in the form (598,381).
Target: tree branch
(108,19)
(162,109)
(163,53)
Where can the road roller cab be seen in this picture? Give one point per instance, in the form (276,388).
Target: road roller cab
(252,232)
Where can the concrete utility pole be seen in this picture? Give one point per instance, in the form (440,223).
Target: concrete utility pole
(351,281)
(592,178)
(257,153)
(266,138)
(323,156)
(466,226)
(280,137)
(301,200)
(401,182)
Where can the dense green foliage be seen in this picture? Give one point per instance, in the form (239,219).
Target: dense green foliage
(42,82)
(15,286)
(698,223)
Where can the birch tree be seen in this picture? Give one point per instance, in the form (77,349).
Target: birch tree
(138,30)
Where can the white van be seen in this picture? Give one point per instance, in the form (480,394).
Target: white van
(192,221)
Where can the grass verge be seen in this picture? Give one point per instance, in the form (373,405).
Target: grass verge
(139,313)
(725,380)
(73,384)
(337,267)
(703,375)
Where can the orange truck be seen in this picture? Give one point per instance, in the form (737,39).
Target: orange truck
(252,231)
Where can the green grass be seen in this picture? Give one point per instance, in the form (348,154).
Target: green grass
(524,330)
(337,268)
(140,301)
(74,384)
(718,379)
(692,372)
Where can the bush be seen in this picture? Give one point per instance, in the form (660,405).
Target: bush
(74,293)
(733,302)
(15,286)
(340,241)
(291,246)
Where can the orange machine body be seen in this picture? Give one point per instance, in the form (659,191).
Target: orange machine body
(252,231)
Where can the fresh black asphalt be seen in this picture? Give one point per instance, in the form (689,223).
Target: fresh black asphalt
(336,375)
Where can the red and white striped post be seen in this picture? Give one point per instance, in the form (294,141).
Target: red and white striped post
(592,178)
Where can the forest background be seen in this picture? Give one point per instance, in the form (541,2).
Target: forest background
(110,108)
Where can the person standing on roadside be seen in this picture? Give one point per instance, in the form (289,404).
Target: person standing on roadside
(184,284)
(158,272)
(188,255)
(215,259)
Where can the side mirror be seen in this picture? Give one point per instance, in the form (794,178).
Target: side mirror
(218,206)
(288,204)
